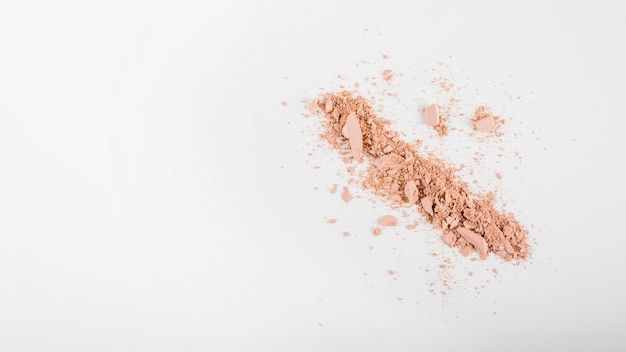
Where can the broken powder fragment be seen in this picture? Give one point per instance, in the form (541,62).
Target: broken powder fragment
(431,115)
(466,250)
(334,189)
(332,221)
(427,204)
(352,131)
(328,106)
(388,220)
(313,106)
(346,234)
(486,124)
(346,196)
(475,239)
(377,231)
(449,239)
(411,192)
(284,103)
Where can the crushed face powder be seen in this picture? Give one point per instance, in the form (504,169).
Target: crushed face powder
(399,174)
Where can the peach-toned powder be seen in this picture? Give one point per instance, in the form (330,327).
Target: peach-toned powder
(387,75)
(377,231)
(484,120)
(431,115)
(346,196)
(467,221)
(388,220)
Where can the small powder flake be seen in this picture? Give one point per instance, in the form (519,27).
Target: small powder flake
(346,196)
(431,115)
(346,234)
(284,103)
(332,221)
(387,75)
(388,220)
(377,231)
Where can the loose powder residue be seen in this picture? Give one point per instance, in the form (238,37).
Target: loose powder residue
(399,174)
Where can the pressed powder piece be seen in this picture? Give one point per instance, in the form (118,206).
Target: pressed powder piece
(352,131)
(484,120)
(431,115)
(388,220)
(475,239)
(411,192)
(346,196)
(486,124)
(399,174)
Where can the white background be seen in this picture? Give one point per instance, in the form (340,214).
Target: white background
(156,196)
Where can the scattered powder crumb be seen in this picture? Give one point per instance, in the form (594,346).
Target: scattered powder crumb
(498,175)
(284,103)
(346,234)
(346,196)
(467,221)
(387,75)
(390,272)
(385,57)
(388,220)
(332,221)
(334,189)
(377,231)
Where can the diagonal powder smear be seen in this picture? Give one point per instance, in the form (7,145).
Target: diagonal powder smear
(399,174)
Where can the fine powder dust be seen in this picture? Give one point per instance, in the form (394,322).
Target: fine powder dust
(398,173)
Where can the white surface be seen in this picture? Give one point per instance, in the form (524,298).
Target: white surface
(143,205)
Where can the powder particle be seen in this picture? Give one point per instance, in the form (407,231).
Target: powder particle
(284,103)
(334,189)
(431,115)
(313,106)
(443,197)
(377,231)
(484,120)
(352,131)
(411,192)
(387,75)
(498,175)
(346,234)
(332,221)
(388,220)
(346,196)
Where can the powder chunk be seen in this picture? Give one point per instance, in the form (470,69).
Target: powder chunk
(427,204)
(352,131)
(486,124)
(484,120)
(388,220)
(377,231)
(346,196)
(411,192)
(475,239)
(431,115)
